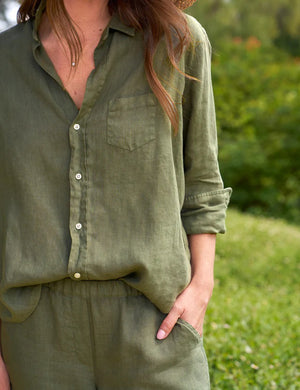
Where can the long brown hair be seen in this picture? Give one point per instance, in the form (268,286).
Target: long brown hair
(154,18)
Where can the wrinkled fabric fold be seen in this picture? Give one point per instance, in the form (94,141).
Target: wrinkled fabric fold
(205,213)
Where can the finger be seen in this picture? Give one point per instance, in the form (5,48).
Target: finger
(168,323)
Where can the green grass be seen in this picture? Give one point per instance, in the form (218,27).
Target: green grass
(251,327)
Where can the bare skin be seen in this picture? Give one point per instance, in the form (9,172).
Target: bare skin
(92,16)
(4,379)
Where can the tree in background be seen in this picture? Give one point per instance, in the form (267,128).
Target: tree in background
(273,22)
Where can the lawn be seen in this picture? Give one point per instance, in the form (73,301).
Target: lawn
(251,327)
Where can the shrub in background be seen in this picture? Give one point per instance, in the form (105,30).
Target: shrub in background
(257,93)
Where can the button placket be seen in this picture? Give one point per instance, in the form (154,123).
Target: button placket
(77,198)
(78,190)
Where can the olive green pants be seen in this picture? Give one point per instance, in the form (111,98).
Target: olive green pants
(91,335)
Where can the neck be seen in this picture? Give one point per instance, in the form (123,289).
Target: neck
(88,13)
(89,17)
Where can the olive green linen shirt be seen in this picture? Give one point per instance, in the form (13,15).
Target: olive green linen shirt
(107,191)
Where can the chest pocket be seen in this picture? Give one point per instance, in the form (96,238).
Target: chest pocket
(131,121)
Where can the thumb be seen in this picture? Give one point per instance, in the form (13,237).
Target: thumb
(168,323)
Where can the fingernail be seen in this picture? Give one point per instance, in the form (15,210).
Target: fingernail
(160,334)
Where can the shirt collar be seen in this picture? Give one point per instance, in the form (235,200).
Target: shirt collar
(115,23)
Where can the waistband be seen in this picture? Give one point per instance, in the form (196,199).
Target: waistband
(88,288)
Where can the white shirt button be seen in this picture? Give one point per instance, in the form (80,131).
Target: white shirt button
(78,226)
(78,176)
(76,126)
(77,275)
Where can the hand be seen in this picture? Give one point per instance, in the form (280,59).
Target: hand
(4,379)
(190,305)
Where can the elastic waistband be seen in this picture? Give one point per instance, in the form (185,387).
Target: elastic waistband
(87,288)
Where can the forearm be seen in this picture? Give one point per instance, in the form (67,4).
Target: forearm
(202,248)
(4,378)
(1,360)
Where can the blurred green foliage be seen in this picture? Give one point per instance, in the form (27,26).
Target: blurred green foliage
(257,92)
(272,22)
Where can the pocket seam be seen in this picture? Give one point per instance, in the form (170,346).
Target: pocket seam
(191,329)
(126,138)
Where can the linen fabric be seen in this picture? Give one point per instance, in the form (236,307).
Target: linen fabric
(101,335)
(105,192)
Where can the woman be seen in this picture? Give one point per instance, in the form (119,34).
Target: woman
(111,196)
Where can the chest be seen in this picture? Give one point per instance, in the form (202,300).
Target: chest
(73,78)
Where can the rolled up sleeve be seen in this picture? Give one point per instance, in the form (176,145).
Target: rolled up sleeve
(206,199)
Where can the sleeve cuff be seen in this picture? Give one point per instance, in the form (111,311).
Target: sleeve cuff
(206,212)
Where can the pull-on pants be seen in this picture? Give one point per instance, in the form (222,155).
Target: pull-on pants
(90,335)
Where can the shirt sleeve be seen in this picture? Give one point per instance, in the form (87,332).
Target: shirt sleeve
(206,199)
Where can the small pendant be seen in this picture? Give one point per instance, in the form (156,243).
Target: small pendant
(73,64)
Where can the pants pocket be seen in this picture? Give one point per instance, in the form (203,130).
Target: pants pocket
(186,325)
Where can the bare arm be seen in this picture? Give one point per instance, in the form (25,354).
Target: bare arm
(4,380)
(202,247)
